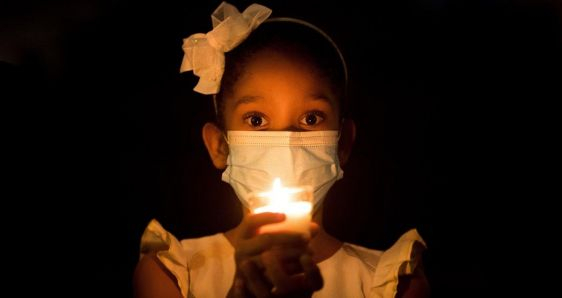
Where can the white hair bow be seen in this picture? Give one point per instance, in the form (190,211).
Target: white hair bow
(204,53)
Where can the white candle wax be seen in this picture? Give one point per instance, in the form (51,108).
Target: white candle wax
(297,217)
(295,203)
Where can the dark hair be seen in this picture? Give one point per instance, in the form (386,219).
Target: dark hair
(293,38)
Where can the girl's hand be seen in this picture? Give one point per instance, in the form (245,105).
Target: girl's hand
(272,265)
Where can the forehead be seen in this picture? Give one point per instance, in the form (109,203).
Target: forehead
(271,71)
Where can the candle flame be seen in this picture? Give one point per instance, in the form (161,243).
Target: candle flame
(278,194)
(281,199)
(277,184)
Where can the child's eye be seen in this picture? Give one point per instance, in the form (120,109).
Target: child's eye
(312,118)
(255,120)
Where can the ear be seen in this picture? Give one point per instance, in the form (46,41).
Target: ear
(347,138)
(216,144)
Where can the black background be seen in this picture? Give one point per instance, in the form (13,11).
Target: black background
(452,99)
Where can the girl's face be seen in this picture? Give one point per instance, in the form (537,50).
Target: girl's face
(276,92)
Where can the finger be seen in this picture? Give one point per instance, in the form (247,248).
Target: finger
(260,243)
(238,289)
(274,271)
(292,267)
(314,229)
(286,252)
(312,277)
(251,223)
(289,258)
(253,280)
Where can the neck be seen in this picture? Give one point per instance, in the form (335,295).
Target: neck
(322,244)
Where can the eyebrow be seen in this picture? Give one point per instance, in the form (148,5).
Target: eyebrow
(321,97)
(250,99)
(246,99)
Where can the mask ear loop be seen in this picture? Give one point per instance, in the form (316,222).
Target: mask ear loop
(321,32)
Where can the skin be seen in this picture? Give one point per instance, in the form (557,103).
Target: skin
(279,93)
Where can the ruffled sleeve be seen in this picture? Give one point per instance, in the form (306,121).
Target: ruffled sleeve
(401,259)
(168,250)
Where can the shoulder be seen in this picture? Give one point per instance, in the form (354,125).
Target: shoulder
(366,256)
(156,239)
(399,272)
(199,250)
(212,242)
(165,261)
(412,281)
(415,285)
(152,279)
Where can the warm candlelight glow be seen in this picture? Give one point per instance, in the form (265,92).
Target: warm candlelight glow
(294,202)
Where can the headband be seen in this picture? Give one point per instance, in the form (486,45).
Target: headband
(204,53)
(318,30)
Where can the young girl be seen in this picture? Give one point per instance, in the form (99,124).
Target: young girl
(279,90)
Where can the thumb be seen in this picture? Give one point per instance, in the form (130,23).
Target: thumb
(251,223)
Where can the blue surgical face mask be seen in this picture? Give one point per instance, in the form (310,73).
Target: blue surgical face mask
(256,158)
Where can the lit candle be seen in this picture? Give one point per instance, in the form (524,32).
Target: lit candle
(294,202)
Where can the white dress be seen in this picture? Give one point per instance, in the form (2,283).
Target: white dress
(204,267)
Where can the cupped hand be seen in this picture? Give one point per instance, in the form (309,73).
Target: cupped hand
(273,264)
